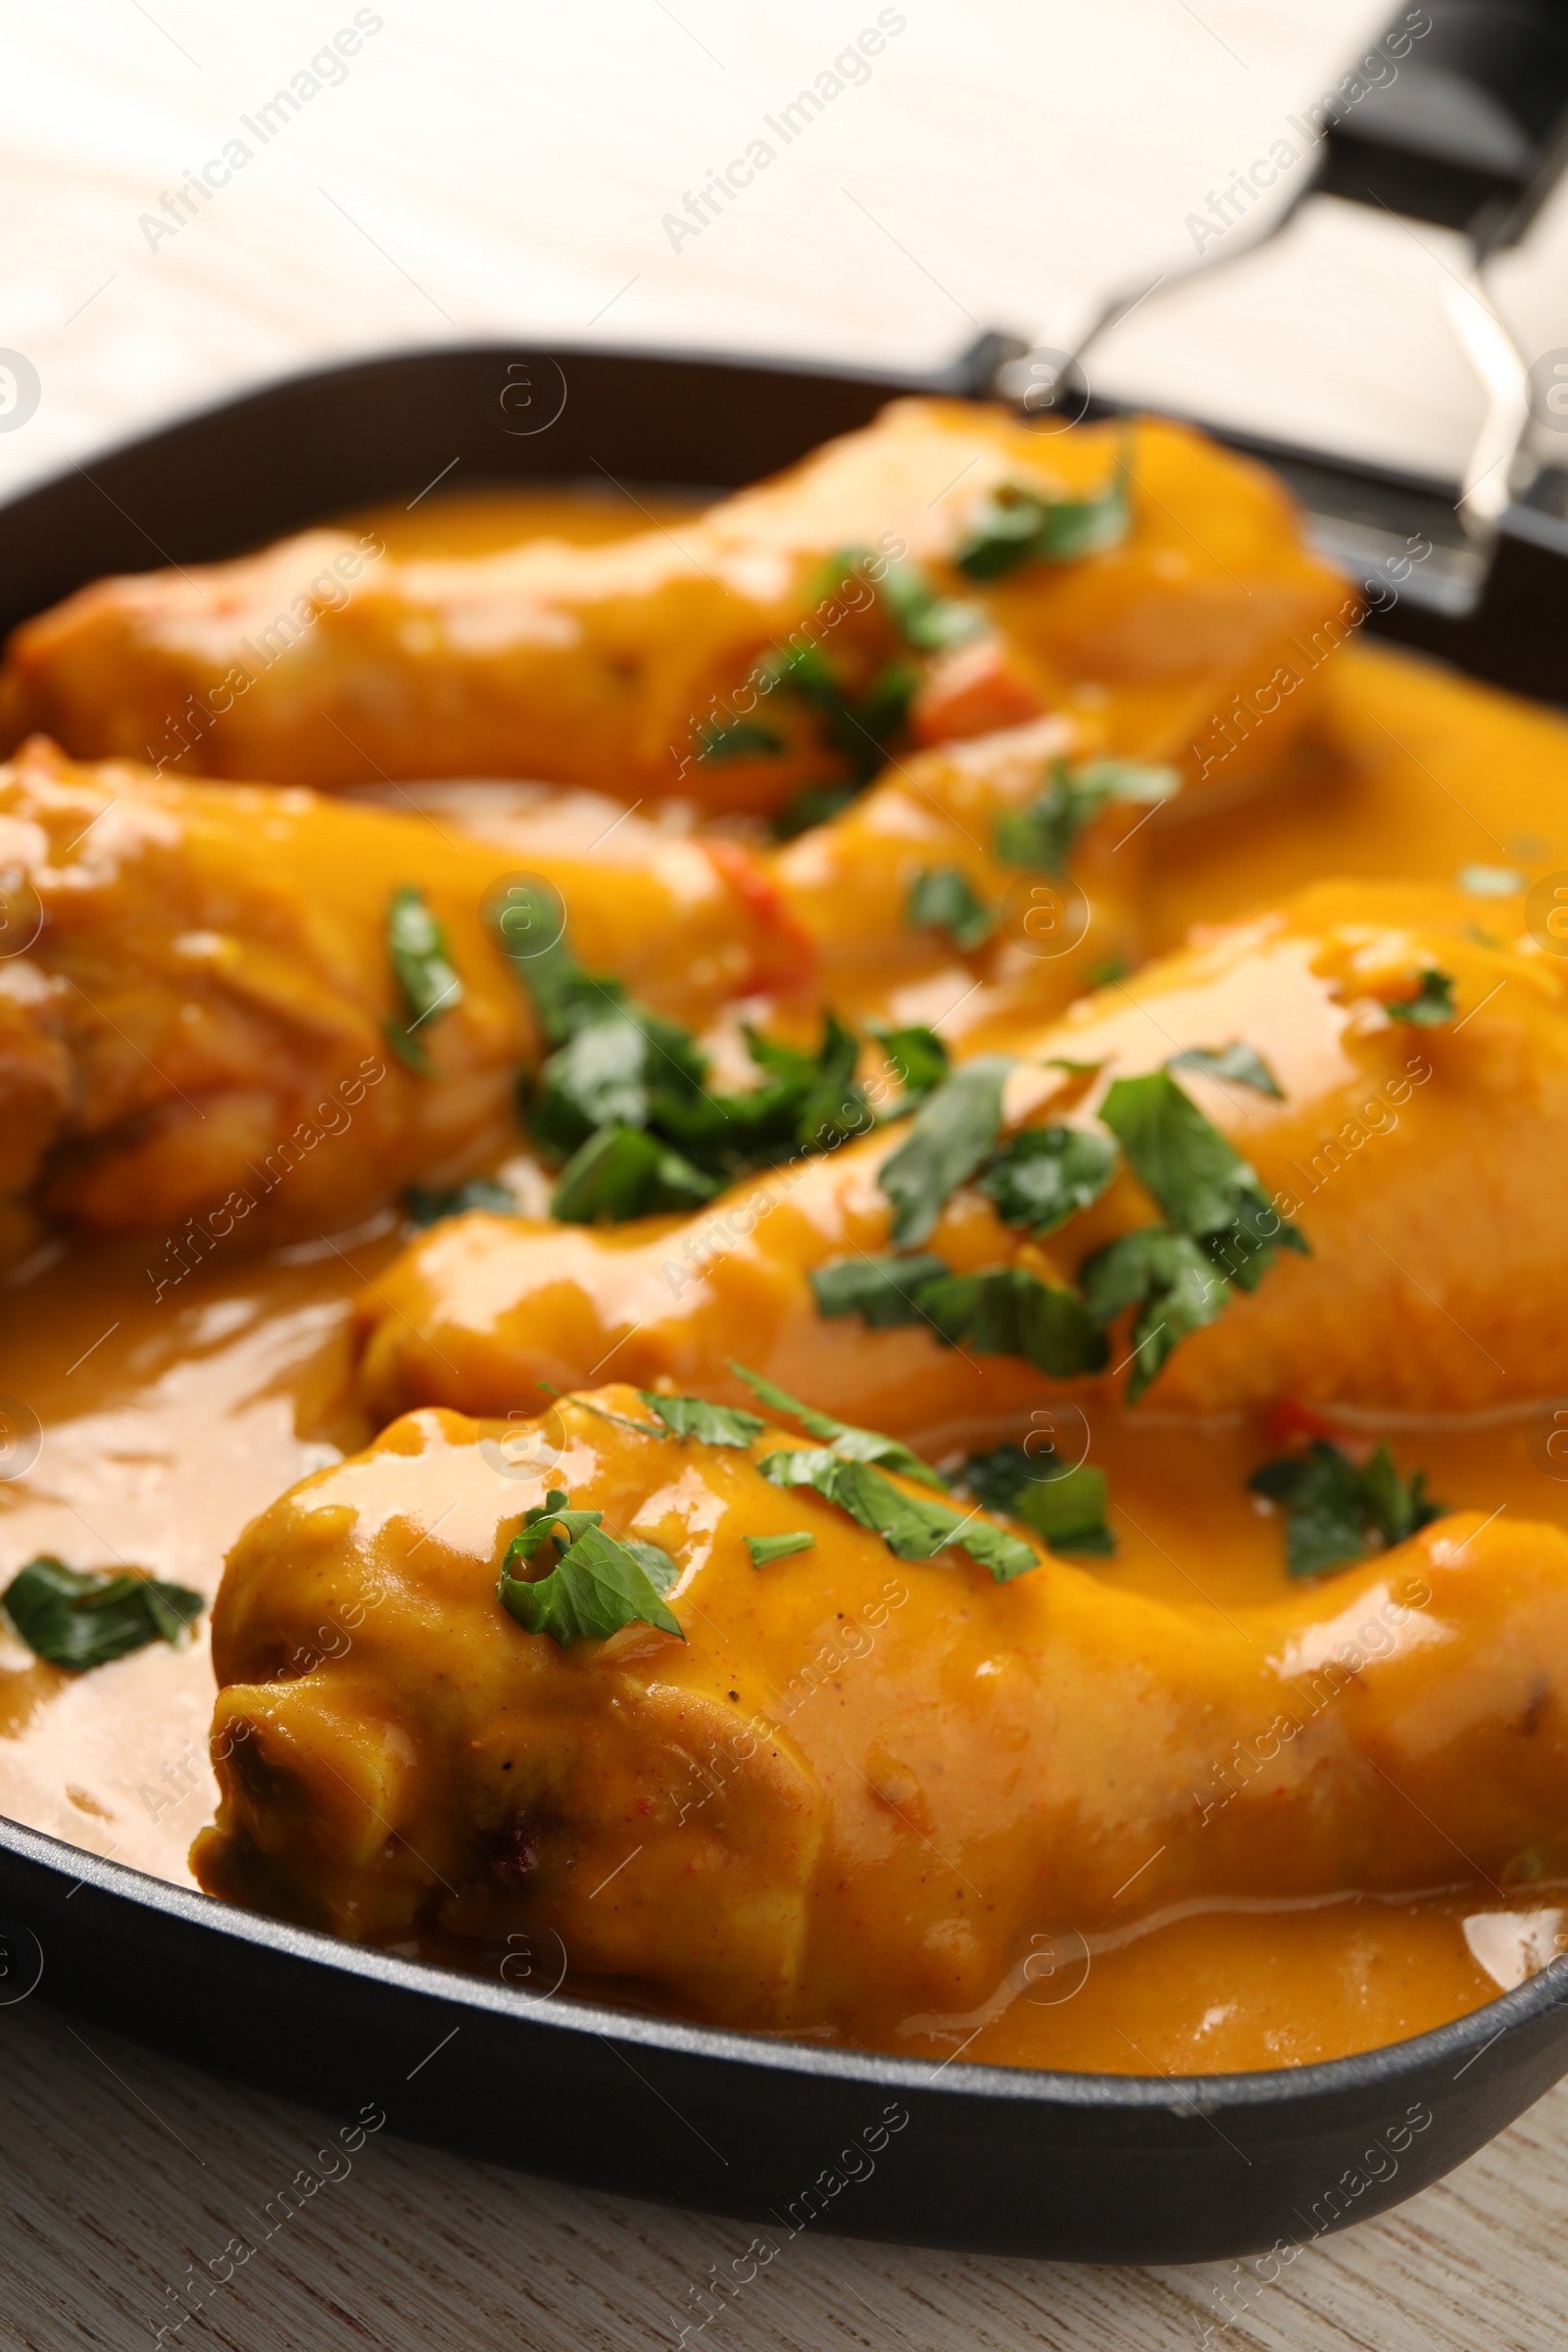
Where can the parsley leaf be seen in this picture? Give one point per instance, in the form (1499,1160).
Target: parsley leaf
(737,739)
(941,899)
(925,618)
(1014,525)
(620,1172)
(425,1206)
(812,805)
(848,1444)
(951,1136)
(1067,1507)
(1010,1311)
(710,1424)
(1237,1062)
(918,1058)
(859,727)
(1176,1288)
(1045,1175)
(1003,1311)
(1204,1186)
(881,1289)
(1431,1005)
(1335,1514)
(83,1617)
(1042,833)
(595,1583)
(417,950)
(911,1527)
(766,1549)
(622,1096)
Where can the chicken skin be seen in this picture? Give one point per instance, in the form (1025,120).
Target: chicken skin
(1409,1145)
(966,1763)
(1169,593)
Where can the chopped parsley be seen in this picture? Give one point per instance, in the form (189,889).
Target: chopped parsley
(1012,526)
(814,805)
(1221,1228)
(859,727)
(594,1584)
(883,1290)
(941,899)
(1010,1311)
(1065,1506)
(1041,833)
(1003,1311)
(77,1618)
(843,1439)
(622,1096)
(417,950)
(1335,1514)
(765,1550)
(425,1206)
(1043,1176)
(1237,1062)
(710,1424)
(912,1527)
(951,1137)
(918,1058)
(1431,1005)
(737,739)
(925,618)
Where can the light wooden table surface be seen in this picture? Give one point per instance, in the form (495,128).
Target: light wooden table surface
(481,169)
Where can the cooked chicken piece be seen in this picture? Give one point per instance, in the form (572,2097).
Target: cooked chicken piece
(1195,633)
(197,984)
(854,1769)
(204,985)
(942,818)
(1416,1160)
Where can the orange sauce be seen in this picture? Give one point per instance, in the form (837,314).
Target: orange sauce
(482,522)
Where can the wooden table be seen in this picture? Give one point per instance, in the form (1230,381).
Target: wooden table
(473,171)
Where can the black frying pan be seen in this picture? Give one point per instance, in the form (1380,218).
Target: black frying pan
(1098,2168)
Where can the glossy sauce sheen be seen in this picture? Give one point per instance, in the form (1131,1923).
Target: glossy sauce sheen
(169,1422)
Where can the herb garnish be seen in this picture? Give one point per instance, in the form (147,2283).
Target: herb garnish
(1066,1507)
(1003,1311)
(1237,1062)
(923,616)
(918,1057)
(911,1527)
(425,1206)
(765,1550)
(951,1135)
(883,1290)
(83,1617)
(622,1096)
(941,899)
(1335,1513)
(737,739)
(1014,525)
(416,948)
(1042,833)
(857,726)
(1010,1311)
(595,1583)
(843,1439)
(1221,1228)
(710,1424)
(1043,1175)
(1431,1005)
